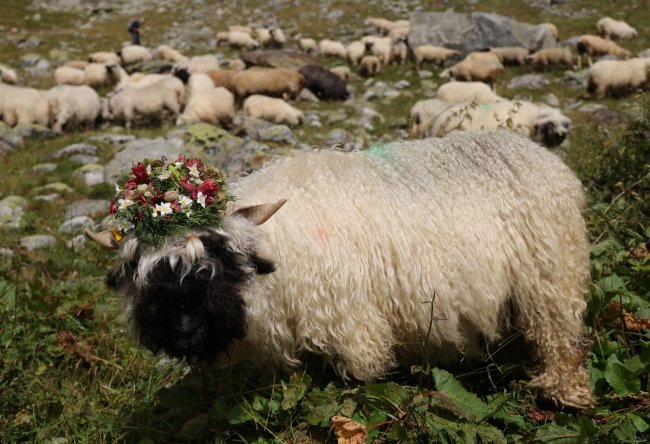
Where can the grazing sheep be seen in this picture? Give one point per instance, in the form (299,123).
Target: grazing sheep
(236,64)
(19,105)
(355,52)
(551,56)
(617,77)
(479,66)
(66,75)
(239,28)
(332,48)
(238,39)
(278,38)
(423,114)
(273,110)
(8,75)
(382,48)
(399,51)
(104,57)
(215,106)
(263,36)
(168,53)
(198,84)
(132,54)
(369,253)
(467,92)
(149,102)
(552,29)
(510,56)
(435,54)
(400,32)
(594,46)
(369,66)
(342,71)
(140,80)
(79,64)
(224,78)
(222,37)
(78,106)
(100,74)
(324,84)
(201,64)
(276,82)
(308,45)
(615,29)
(380,24)
(539,122)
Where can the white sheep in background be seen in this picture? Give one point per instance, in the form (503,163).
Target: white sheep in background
(552,56)
(382,48)
(308,45)
(615,29)
(263,36)
(215,106)
(342,71)
(423,114)
(399,51)
(201,64)
(436,54)
(355,52)
(617,76)
(151,101)
(79,64)
(168,53)
(242,28)
(104,57)
(198,84)
(510,55)
(139,80)
(67,75)
(238,39)
(539,122)
(277,82)
(594,46)
(132,54)
(100,74)
(19,105)
(73,105)
(369,66)
(273,110)
(400,32)
(8,75)
(332,48)
(367,264)
(278,38)
(467,92)
(478,66)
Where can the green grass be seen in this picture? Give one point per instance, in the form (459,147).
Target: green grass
(69,372)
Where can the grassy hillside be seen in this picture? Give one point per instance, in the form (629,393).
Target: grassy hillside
(70,373)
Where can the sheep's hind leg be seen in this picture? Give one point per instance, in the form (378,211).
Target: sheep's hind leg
(552,322)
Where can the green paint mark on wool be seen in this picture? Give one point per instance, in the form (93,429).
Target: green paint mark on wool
(382,150)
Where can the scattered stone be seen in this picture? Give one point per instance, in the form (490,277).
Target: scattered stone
(336,117)
(391,93)
(252,126)
(307,96)
(402,84)
(6,252)
(10,137)
(278,133)
(424,74)
(77,148)
(113,139)
(213,142)
(572,104)
(28,60)
(335,14)
(644,53)
(551,100)
(591,107)
(91,174)
(37,241)
(77,243)
(84,159)
(75,224)
(11,212)
(47,197)
(576,79)
(55,187)
(41,69)
(276,58)
(88,207)
(313,119)
(44,168)
(32,131)
(30,43)
(136,151)
(528,81)
(250,157)
(344,140)
(58,55)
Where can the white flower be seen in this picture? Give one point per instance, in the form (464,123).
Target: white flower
(124,203)
(179,163)
(194,171)
(149,169)
(188,213)
(184,201)
(164,208)
(154,213)
(117,189)
(200,199)
(123,225)
(164,175)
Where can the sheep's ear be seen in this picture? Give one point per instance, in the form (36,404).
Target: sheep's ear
(258,214)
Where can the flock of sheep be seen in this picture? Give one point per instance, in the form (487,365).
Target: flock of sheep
(198,89)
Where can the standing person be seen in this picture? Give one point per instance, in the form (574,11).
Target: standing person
(134,30)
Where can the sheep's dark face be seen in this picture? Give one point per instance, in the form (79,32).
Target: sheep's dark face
(196,313)
(552,133)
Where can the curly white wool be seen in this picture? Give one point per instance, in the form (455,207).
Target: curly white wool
(614,76)
(73,105)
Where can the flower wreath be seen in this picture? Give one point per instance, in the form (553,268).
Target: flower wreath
(167,198)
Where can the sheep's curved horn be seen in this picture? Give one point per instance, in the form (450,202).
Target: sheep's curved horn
(258,214)
(104,238)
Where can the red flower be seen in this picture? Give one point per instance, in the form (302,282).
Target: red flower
(208,187)
(140,173)
(113,207)
(188,186)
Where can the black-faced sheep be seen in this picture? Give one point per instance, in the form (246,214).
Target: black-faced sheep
(272,109)
(617,77)
(367,263)
(308,45)
(77,106)
(435,54)
(539,122)
(615,29)
(477,66)
(276,82)
(594,46)
(324,83)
